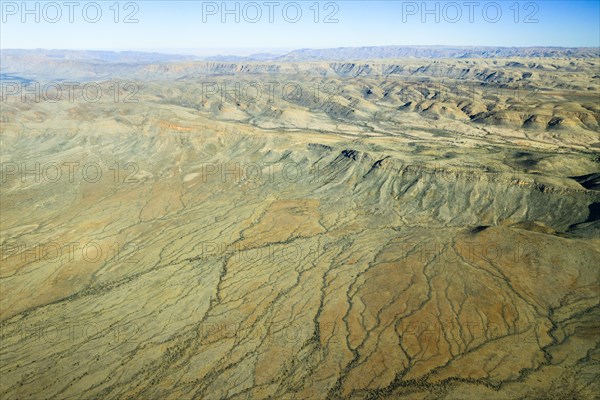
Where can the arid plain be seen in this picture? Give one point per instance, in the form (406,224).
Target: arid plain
(387,229)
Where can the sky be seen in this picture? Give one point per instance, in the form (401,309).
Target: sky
(243,27)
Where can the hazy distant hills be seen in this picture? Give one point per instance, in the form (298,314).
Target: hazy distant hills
(41,64)
(12,57)
(91,56)
(383,52)
(394,52)
(78,64)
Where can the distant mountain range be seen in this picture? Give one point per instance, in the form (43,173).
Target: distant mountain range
(94,56)
(395,52)
(18,64)
(392,52)
(332,54)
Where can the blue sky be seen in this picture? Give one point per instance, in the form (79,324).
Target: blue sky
(198,26)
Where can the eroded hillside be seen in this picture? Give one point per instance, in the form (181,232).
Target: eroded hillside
(429,232)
